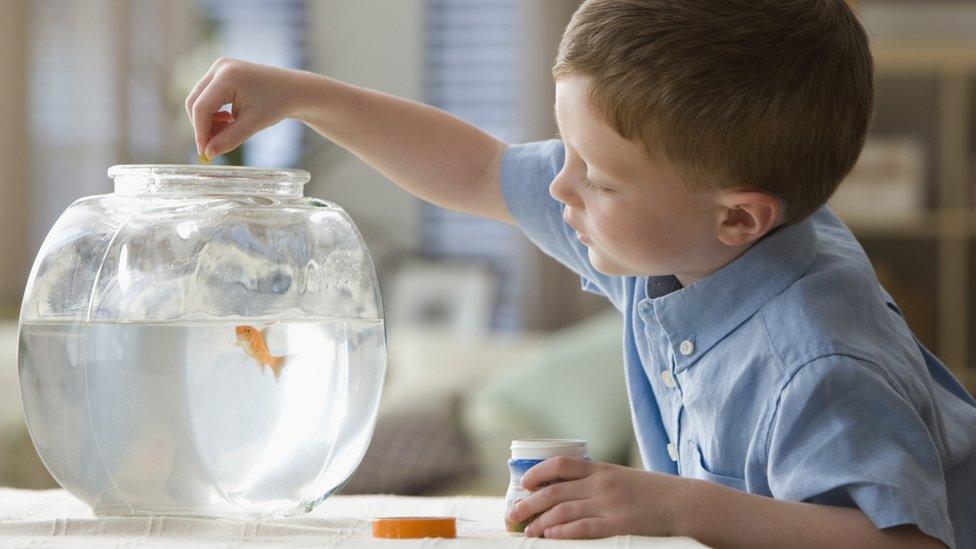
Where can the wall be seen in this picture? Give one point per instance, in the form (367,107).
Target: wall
(377,45)
(553,294)
(946,20)
(13,154)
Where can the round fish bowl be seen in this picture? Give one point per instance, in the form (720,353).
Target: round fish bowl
(204,341)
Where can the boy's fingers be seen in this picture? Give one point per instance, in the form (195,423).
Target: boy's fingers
(215,95)
(587,528)
(232,136)
(562,513)
(556,468)
(196,91)
(547,498)
(199,87)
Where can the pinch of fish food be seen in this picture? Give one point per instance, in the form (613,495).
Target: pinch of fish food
(219,121)
(223,116)
(202,158)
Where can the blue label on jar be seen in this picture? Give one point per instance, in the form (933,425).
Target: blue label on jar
(520,466)
(516,493)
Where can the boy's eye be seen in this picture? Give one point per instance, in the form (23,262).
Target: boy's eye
(593,186)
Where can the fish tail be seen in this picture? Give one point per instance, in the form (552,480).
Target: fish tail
(277,364)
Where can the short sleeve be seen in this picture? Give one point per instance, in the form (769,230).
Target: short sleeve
(526,172)
(843,435)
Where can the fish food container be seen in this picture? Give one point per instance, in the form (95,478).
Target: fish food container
(204,341)
(525,455)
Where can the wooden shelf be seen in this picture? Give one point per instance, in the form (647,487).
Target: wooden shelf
(951,227)
(924,56)
(934,225)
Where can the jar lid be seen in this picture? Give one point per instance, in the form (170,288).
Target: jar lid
(415,527)
(545,448)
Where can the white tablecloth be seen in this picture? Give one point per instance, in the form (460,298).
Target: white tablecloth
(55,518)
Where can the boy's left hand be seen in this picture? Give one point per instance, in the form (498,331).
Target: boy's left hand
(597,500)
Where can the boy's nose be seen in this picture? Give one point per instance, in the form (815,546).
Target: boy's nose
(561,189)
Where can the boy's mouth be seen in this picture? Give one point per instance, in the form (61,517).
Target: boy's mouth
(579,234)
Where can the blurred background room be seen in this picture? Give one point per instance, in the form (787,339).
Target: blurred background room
(479,322)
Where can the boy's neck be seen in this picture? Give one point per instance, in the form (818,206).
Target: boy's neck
(687,279)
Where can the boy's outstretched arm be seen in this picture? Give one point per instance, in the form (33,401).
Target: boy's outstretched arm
(598,500)
(428,152)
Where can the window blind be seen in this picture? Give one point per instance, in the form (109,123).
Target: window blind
(98,77)
(472,71)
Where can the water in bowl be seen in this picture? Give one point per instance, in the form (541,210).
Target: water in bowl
(178,419)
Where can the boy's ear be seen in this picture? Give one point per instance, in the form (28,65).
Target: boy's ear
(747,216)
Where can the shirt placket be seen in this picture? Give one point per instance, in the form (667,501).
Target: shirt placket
(674,395)
(659,367)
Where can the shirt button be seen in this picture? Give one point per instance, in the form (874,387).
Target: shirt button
(672,451)
(687,347)
(668,379)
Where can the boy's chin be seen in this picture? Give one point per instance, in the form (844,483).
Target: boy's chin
(611,267)
(607,265)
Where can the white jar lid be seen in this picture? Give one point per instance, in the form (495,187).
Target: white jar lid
(545,448)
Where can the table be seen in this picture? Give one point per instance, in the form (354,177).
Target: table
(30,518)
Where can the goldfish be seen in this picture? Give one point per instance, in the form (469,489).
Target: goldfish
(253,342)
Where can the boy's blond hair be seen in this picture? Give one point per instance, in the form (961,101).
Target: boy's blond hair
(774,95)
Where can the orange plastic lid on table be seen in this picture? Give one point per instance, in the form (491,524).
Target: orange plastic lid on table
(415,527)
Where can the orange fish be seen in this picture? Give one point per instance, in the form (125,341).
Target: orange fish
(253,342)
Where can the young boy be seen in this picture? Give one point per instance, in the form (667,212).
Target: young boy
(778,397)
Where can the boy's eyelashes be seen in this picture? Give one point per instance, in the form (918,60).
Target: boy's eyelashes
(589,184)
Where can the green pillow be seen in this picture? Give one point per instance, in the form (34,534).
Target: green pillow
(571,386)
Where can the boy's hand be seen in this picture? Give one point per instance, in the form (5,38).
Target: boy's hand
(261,96)
(597,500)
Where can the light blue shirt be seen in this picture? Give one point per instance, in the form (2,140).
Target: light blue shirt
(789,372)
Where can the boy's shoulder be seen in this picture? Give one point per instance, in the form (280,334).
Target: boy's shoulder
(838,308)
(805,291)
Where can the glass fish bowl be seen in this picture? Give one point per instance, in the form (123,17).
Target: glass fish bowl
(204,341)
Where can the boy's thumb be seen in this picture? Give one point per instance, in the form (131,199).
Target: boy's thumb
(231,137)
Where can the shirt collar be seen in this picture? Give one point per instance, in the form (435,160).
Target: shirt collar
(700,315)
